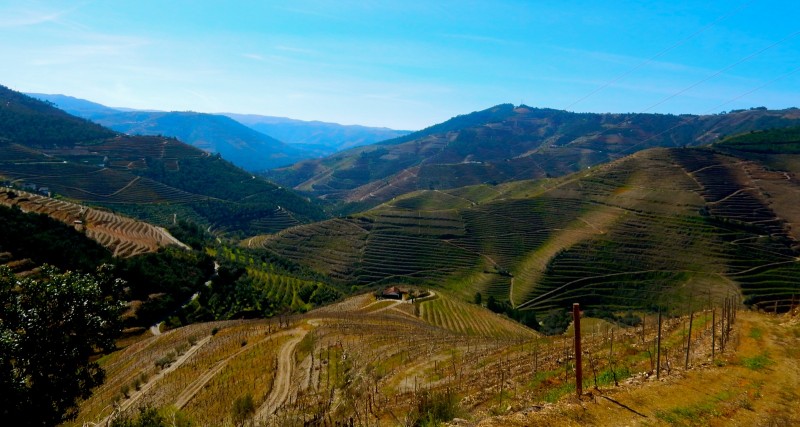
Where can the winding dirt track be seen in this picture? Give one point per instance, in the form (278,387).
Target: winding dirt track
(282,384)
(191,391)
(124,406)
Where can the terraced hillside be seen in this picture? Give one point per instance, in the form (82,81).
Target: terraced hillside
(660,224)
(506,143)
(377,363)
(123,237)
(158,179)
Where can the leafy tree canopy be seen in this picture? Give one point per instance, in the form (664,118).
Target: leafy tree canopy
(49,327)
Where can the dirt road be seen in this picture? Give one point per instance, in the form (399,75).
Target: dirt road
(282,384)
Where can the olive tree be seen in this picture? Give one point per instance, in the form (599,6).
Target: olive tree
(50,326)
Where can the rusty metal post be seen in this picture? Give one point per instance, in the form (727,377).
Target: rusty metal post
(713,332)
(689,340)
(658,346)
(576,317)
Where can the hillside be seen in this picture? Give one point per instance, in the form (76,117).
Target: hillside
(123,237)
(250,141)
(321,137)
(242,146)
(158,179)
(660,224)
(30,240)
(343,362)
(506,143)
(35,123)
(75,106)
(212,133)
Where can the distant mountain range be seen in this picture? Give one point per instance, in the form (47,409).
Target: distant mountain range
(249,141)
(319,137)
(156,178)
(506,143)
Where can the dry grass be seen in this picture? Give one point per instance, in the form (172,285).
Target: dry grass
(374,364)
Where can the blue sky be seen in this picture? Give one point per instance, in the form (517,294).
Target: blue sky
(405,64)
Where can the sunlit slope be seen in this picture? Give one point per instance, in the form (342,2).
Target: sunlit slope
(202,368)
(154,178)
(506,143)
(629,233)
(378,361)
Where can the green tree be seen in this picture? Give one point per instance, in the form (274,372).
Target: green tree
(243,409)
(492,304)
(49,327)
(478,298)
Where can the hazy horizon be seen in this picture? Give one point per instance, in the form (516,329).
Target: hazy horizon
(406,65)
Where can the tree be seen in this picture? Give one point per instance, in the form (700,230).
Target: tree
(492,304)
(243,409)
(49,327)
(478,298)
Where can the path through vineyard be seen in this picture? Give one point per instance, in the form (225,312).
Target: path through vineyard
(283,378)
(133,398)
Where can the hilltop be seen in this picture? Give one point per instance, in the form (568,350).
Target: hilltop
(159,179)
(662,224)
(507,143)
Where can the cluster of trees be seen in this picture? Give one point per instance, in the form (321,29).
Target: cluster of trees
(628,319)
(554,322)
(236,293)
(153,417)
(49,328)
(191,234)
(526,317)
(163,281)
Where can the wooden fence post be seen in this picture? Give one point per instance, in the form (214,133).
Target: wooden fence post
(713,332)
(576,316)
(658,346)
(689,340)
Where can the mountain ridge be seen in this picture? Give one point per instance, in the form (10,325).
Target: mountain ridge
(506,143)
(325,137)
(252,141)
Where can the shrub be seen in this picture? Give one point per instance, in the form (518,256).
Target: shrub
(243,409)
(436,407)
(165,361)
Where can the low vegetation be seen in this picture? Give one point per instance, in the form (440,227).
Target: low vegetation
(343,361)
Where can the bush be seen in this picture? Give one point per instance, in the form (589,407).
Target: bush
(556,322)
(435,407)
(153,417)
(165,361)
(243,409)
